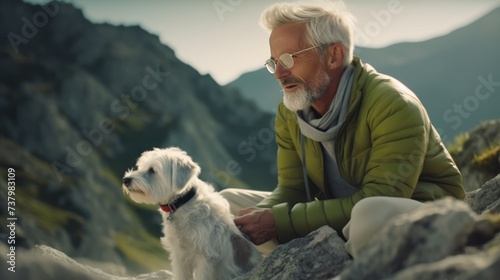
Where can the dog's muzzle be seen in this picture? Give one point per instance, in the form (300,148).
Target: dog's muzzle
(126,181)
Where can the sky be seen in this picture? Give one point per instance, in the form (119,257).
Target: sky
(224,39)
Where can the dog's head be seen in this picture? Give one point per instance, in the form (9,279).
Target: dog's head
(160,175)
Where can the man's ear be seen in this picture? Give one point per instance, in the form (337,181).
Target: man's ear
(335,56)
(183,170)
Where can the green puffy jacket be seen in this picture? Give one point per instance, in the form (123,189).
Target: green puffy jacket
(386,147)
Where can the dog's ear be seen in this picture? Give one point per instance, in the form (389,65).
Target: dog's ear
(183,170)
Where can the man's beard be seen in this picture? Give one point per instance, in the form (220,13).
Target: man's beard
(307,93)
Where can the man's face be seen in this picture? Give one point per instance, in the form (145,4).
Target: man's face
(306,81)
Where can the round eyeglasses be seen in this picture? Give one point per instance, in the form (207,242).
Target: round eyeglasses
(285,59)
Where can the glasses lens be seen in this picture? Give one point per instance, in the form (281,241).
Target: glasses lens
(286,60)
(271,66)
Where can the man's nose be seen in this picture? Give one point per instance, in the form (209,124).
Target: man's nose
(281,72)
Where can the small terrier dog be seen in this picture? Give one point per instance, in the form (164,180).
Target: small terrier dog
(198,228)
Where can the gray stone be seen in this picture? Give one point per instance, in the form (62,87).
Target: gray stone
(319,255)
(480,138)
(455,267)
(423,236)
(44,262)
(486,198)
(33,264)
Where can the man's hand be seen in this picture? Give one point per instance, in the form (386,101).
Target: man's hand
(257,223)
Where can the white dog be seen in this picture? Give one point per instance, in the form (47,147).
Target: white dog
(203,241)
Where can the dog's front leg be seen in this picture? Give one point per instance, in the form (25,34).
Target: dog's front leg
(205,269)
(182,269)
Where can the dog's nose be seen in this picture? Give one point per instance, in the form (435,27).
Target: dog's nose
(126,181)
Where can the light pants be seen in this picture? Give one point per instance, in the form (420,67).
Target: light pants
(367,217)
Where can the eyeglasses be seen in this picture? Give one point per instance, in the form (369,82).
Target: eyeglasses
(285,59)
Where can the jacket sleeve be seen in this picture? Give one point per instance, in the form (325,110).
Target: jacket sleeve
(399,134)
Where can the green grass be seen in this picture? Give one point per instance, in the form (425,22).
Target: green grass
(47,216)
(142,251)
(489,158)
(457,146)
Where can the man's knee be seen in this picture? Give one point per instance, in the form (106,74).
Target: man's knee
(240,198)
(369,215)
(231,195)
(228,193)
(383,207)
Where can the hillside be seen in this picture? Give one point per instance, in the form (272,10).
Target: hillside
(456,76)
(80,101)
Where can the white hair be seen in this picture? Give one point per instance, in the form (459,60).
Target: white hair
(326,22)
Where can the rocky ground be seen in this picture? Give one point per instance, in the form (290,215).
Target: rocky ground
(446,239)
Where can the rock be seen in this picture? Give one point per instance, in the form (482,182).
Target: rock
(35,265)
(319,255)
(431,242)
(487,198)
(44,262)
(455,267)
(481,138)
(161,274)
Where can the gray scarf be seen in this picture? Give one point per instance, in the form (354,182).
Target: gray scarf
(327,127)
(325,130)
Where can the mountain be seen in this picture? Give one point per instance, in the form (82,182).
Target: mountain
(456,76)
(259,86)
(79,103)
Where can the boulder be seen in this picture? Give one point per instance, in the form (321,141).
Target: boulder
(431,242)
(480,139)
(44,262)
(486,198)
(319,255)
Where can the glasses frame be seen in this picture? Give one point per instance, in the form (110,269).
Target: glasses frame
(271,63)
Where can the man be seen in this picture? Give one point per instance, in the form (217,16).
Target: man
(345,134)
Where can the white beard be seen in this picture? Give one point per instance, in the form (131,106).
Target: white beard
(306,94)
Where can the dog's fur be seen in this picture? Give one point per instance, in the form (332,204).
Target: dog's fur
(203,241)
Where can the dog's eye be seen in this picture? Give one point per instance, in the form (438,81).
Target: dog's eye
(151,170)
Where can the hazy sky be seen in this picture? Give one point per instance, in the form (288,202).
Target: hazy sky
(223,37)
